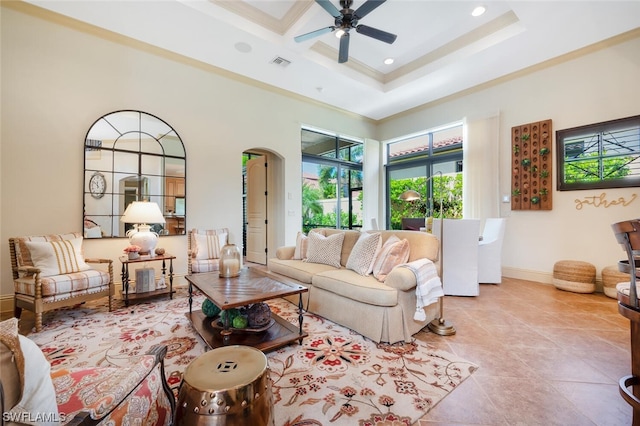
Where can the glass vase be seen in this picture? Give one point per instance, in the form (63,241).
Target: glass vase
(230,261)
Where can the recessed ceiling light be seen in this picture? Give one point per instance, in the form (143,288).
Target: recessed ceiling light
(388,61)
(243,47)
(479,10)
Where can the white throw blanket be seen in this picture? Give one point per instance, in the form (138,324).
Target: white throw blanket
(428,287)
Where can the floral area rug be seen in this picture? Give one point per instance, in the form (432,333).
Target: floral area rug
(336,377)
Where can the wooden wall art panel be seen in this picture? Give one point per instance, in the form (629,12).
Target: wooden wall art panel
(531,166)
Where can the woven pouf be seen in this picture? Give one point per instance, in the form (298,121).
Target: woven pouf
(611,276)
(575,276)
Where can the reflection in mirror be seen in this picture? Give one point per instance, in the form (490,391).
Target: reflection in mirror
(132,156)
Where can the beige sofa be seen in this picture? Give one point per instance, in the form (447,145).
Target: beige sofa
(381,311)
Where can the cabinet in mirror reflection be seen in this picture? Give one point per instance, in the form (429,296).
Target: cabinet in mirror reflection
(132,156)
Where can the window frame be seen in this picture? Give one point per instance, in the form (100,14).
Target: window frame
(430,158)
(341,166)
(566,137)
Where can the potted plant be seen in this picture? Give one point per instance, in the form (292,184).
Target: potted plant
(133,251)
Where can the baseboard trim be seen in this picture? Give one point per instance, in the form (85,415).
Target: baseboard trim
(529,275)
(6,305)
(540,277)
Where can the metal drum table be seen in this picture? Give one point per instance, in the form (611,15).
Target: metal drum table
(229,385)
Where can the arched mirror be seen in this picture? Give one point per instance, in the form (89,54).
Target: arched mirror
(132,156)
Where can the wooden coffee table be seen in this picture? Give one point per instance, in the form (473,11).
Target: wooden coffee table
(252,286)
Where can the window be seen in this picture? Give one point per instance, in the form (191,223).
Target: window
(429,163)
(602,155)
(331,181)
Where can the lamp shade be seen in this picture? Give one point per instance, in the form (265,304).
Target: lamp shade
(142,212)
(410,195)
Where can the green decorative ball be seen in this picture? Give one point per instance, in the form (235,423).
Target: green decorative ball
(209,308)
(240,322)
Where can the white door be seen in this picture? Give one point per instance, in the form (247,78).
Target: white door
(257,210)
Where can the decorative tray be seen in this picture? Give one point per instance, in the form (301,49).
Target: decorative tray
(217,324)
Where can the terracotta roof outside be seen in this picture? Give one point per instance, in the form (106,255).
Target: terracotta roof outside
(439,144)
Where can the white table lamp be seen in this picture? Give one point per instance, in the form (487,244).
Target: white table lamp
(141,214)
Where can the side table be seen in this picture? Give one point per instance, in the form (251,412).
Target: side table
(146,258)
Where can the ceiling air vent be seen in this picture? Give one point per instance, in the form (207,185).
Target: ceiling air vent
(280,61)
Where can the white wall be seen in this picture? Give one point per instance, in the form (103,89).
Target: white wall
(599,86)
(57,79)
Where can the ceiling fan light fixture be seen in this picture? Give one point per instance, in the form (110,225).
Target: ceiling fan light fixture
(348,19)
(478,11)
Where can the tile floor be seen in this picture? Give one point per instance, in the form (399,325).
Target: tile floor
(546,357)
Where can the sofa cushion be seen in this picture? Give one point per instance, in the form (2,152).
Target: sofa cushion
(347,283)
(297,269)
(65,286)
(364,253)
(325,250)
(57,257)
(205,265)
(393,253)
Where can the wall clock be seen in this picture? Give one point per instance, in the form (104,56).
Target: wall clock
(97,185)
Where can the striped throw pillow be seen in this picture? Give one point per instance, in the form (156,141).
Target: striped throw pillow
(394,252)
(57,257)
(302,243)
(208,245)
(326,250)
(364,253)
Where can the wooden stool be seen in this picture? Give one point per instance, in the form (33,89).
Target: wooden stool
(575,276)
(611,276)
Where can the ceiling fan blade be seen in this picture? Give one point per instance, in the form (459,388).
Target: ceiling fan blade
(376,33)
(329,7)
(312,34)
(343,54)
(367,8)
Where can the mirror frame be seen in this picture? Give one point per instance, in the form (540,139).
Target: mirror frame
(131,155)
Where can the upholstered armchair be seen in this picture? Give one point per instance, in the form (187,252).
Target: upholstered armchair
(490,251)
(32,393)
(203,249)
(50,272)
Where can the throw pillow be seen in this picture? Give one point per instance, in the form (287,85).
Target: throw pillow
(57,257)
(326,250)
(394,252)
(302,244)
(11,362)
(208,245)
(30,371)
(39,395)
(364,253)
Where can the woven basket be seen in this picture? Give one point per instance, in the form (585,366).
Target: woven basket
(575,276)
(611,276)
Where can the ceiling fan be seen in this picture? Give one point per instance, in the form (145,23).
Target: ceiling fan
(346,20)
